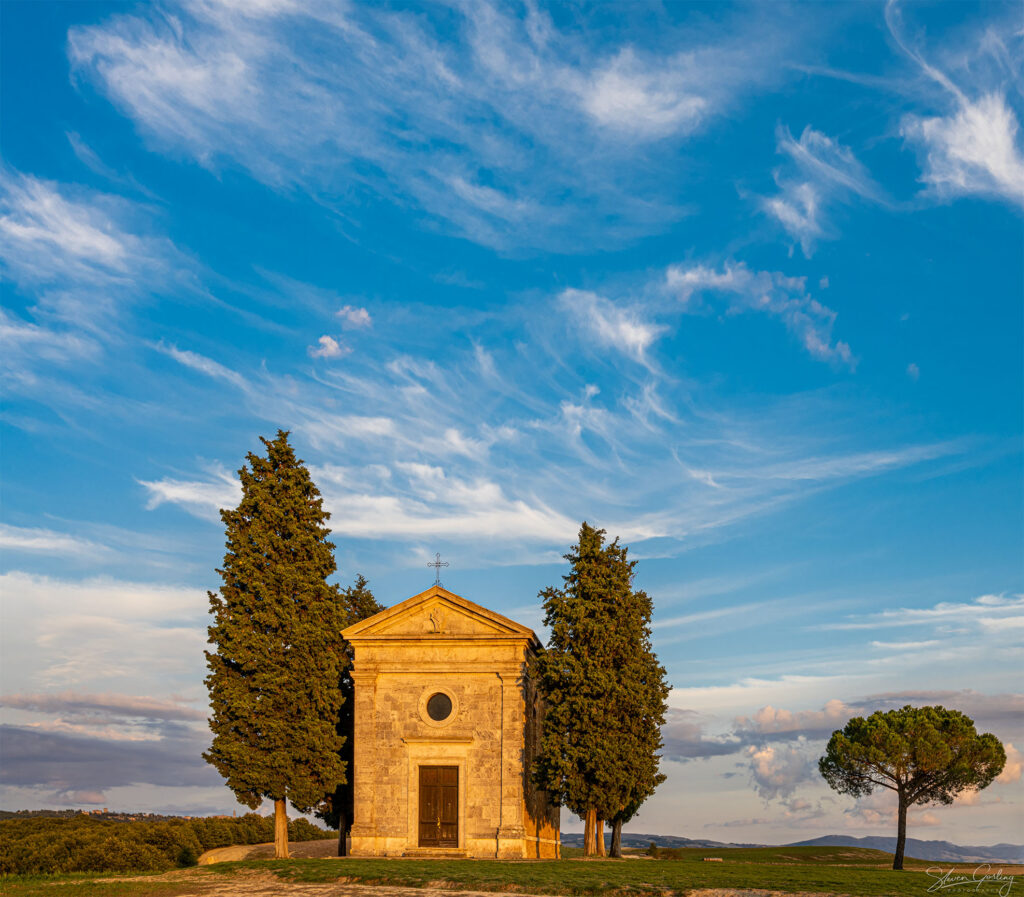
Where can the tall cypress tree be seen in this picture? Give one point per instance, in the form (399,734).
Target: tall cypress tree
(337,808)
(276,670)
(605,691)
(573,682)
(637,709)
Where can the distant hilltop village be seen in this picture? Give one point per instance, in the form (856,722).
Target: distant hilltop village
(103,814)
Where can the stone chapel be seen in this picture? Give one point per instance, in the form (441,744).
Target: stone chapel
(447,723)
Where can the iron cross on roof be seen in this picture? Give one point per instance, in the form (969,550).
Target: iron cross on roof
(437,564)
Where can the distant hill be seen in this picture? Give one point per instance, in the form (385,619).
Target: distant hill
(939,851)
(575,839)
(104,814)
(934,851)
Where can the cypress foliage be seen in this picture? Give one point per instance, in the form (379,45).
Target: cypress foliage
(337,808)
(278,658)
(604,689)
(636,709)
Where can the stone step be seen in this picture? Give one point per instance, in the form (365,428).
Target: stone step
(451,852)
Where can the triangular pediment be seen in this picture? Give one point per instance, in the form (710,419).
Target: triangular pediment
(437,612)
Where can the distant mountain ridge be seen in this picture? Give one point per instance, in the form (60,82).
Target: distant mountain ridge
(940,851)
(936,851)
(575,839)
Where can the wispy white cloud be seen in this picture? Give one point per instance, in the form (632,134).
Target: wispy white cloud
(407,500)
(822,172)
(906,646)
(82,258)
(80,251)
(203,365)
(973,146)
(36,539)
(973,150)
(769,292)
(47,234)
(413,500)
(644,100)
(507,130)
(557,441)
(25,344)
(204,498)
(703,616)
(611,325)
(1007,609)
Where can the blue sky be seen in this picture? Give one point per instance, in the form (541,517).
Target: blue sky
(741,284)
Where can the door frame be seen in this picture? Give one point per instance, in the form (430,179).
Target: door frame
(435,752)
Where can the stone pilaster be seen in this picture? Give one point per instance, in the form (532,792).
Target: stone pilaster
(511,830)
(364,763)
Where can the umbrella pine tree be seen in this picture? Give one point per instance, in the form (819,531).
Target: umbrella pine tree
(923,754)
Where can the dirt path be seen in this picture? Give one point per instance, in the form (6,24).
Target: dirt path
(262,884)
(326,849)
(255,883)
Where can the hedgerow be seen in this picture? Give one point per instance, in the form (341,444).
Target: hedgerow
(86,844)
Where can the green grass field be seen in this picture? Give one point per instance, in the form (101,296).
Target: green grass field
(817,870)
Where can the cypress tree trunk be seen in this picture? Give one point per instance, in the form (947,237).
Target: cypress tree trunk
(280,830)
(589,827)
(616,850)
(901,833)
(342,840)
(599,837)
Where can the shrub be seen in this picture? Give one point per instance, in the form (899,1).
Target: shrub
(81,843)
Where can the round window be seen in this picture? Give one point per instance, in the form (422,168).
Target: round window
(439,707)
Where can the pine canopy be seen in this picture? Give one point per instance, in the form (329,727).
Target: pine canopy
(278,657)
(926,754)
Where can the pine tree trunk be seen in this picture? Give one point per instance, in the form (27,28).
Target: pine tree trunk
(280,830)
(901,834)
(342,840)
(589,827)
(616,850)
(599,838)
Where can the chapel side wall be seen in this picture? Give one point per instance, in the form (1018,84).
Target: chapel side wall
(541,817)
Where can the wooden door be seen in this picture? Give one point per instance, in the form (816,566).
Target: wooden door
(439,806)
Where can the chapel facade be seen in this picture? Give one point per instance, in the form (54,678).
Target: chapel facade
(447,724)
